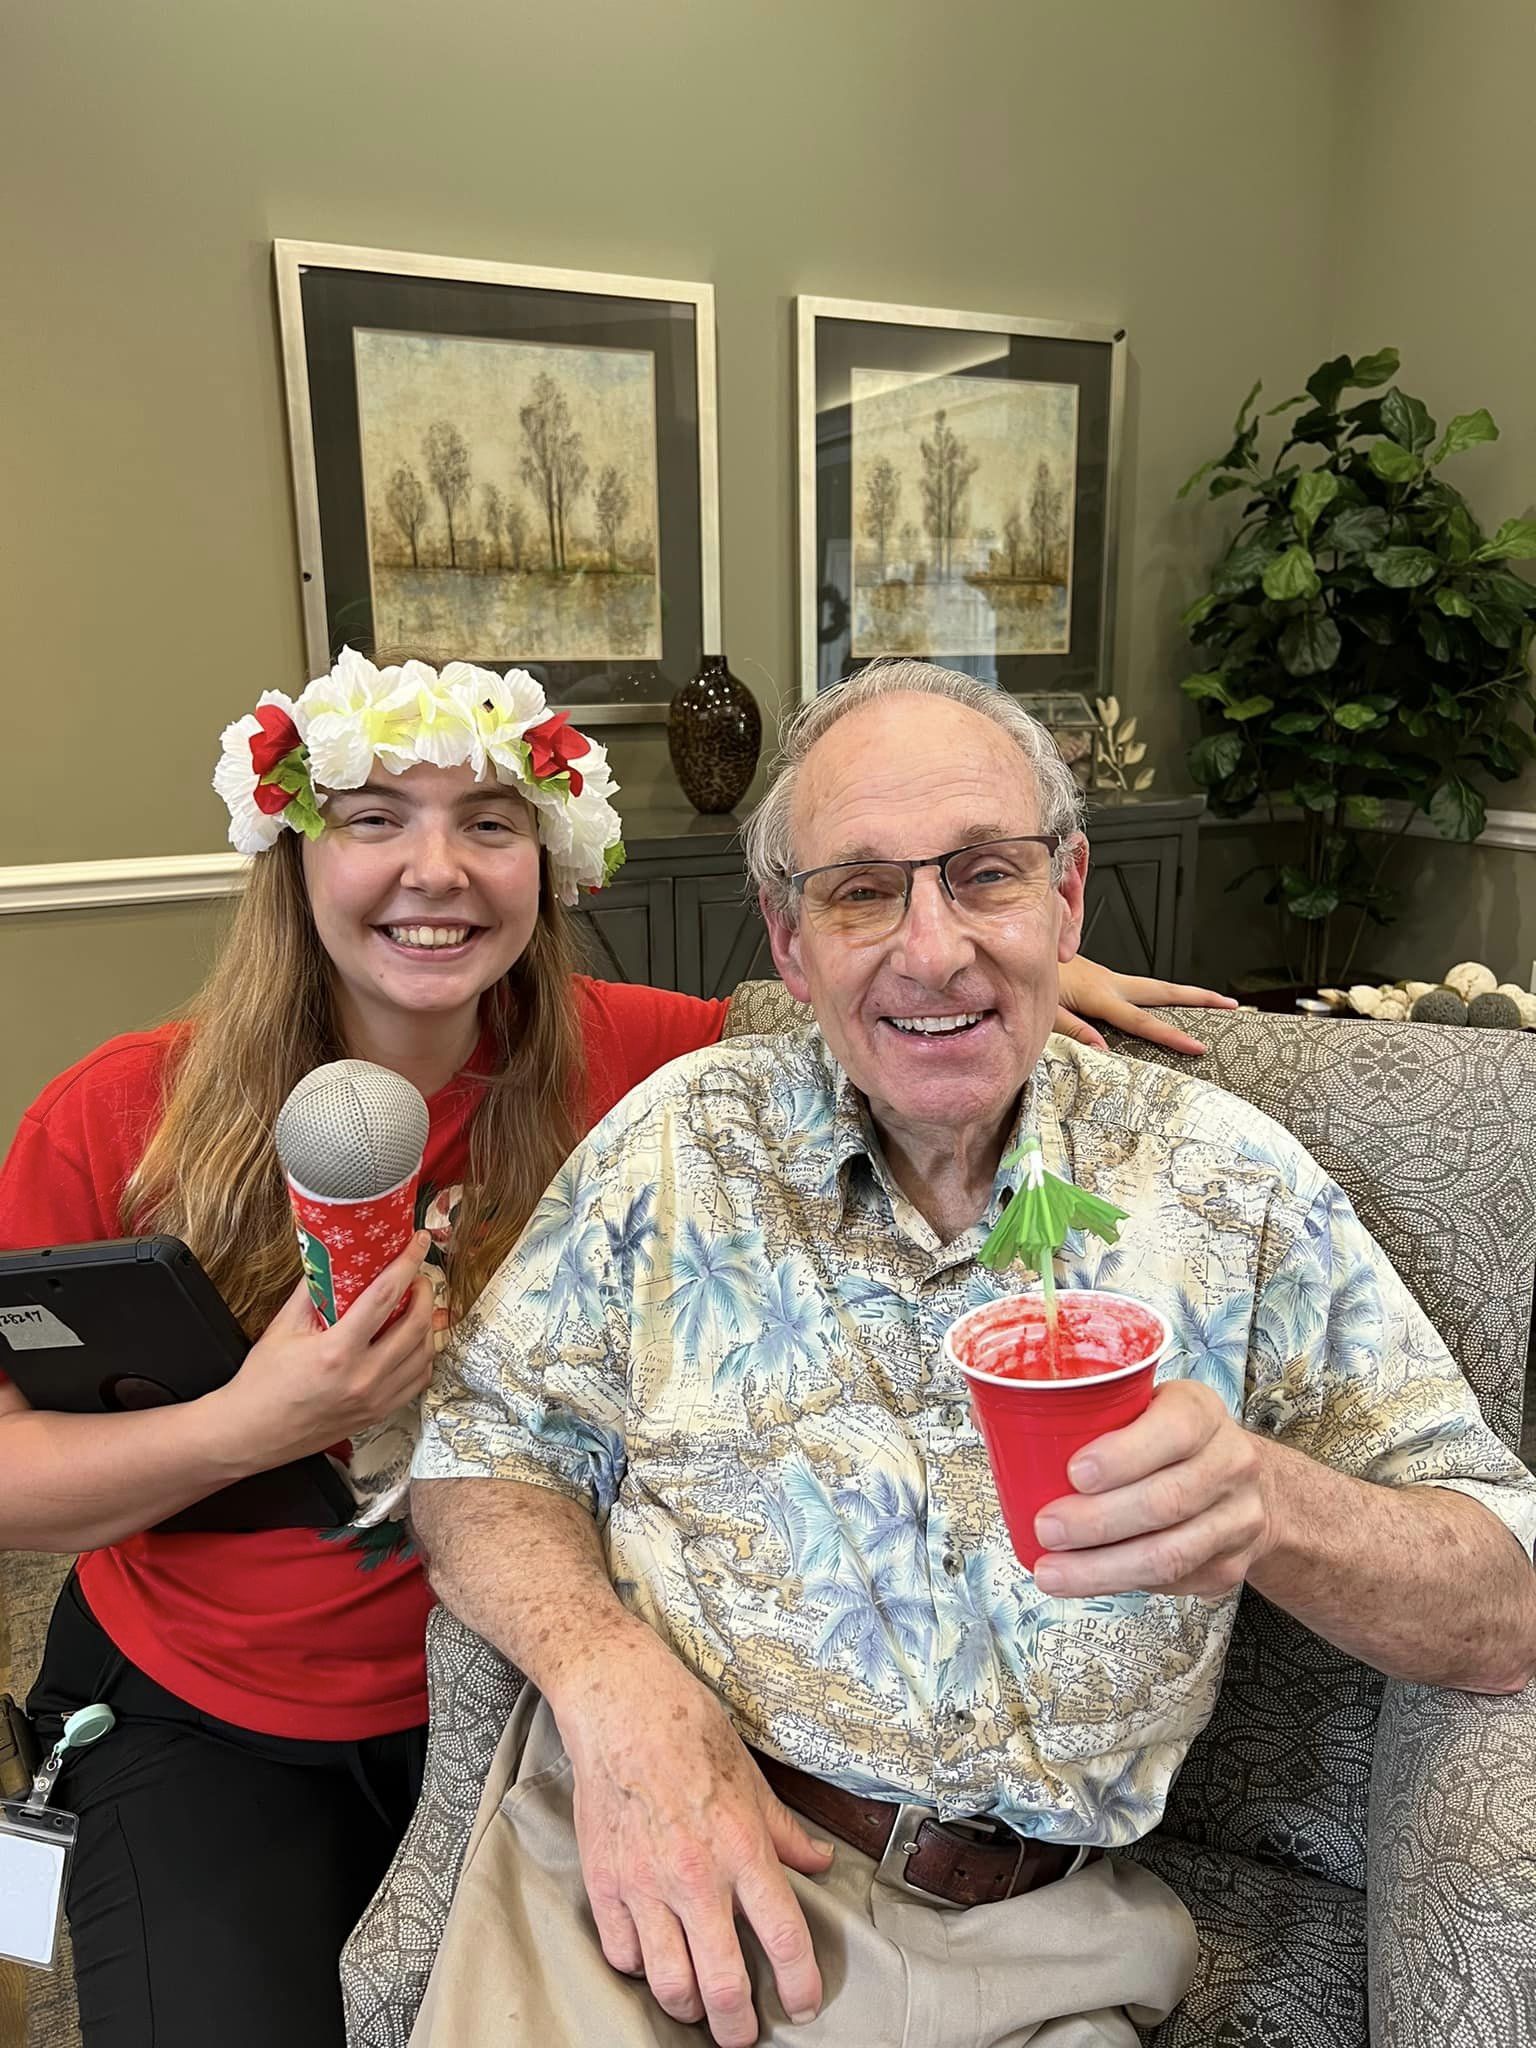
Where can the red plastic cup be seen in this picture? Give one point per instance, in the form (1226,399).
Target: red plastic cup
(346,1244)
(1035,1414)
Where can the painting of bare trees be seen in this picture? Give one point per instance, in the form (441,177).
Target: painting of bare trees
(510,495)
(963,514)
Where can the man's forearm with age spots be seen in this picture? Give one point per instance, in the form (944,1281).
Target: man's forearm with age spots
(1421,1582)
(524,1567)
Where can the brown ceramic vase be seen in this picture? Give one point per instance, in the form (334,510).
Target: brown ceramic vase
(714,733)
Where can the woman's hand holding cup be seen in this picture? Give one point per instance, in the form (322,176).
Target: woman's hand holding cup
(305,1385)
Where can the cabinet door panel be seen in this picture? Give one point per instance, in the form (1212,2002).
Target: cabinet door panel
(721,939)
(625,933)
(1129,910)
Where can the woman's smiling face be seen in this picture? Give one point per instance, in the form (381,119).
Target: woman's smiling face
(424,889)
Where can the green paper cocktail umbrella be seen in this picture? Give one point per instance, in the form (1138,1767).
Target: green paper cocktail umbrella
(1034,1226)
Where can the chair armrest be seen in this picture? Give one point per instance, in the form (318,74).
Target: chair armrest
(1451,1870)
(388,1957)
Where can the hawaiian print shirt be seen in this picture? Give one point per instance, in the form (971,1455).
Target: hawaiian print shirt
(721,1333)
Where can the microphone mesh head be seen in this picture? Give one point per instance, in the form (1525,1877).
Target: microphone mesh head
(352,1130)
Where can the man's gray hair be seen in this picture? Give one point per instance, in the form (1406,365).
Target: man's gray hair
(770,852)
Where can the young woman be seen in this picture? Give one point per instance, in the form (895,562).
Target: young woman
(420,838)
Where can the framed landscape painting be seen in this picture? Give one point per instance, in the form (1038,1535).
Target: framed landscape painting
(503,465)
(957,481)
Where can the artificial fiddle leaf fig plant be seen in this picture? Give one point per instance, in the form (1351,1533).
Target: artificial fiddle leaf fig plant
(1363,644)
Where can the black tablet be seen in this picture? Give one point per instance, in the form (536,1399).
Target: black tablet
(135,1323)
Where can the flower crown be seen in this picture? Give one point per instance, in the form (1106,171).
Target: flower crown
(279,762)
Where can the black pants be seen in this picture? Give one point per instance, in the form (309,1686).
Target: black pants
(218,1872)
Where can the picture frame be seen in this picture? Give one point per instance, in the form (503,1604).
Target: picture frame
(958,485)
(507,465)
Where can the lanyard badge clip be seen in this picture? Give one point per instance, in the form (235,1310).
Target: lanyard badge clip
(37,1840)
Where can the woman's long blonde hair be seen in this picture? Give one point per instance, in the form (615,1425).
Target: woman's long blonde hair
(265,1017)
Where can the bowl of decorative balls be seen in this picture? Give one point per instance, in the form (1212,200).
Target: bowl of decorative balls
(1469,994)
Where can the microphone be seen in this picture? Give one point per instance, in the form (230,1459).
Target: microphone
(350,1140)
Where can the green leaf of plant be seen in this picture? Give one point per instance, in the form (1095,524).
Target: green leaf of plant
(1436,635)
(1320,425)
(1394,465)
(1292,574)
(1498,622)
(1222,485)
(1314,492)
(1407,420)
(1361,419)
(1356,717)
(1414,722)
(1402,568)
(1249,707)
(1213,759)
(1244,409)
(1453,603)
(1241,567)
(1286,404)
(1199,476)
(1457,810)
(1364,813)
(1211,685)
(1355,530)
(1461,534)
(1376,626)
(1201,609)
(1328,380)
(1366,372)
(1313,795)
(1515,541)
(1466,431)
(1309,646)
(1313,903)
(1297,721)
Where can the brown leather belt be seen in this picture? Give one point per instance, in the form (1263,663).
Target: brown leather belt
(965,1863)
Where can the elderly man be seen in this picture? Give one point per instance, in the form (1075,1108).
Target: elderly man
(701,1470)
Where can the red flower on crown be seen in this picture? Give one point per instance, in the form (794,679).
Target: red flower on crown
(553,746)
(277,739)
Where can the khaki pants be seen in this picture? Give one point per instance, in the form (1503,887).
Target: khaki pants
(1068,1966)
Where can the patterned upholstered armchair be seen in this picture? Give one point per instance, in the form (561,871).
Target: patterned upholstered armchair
(1358,1854)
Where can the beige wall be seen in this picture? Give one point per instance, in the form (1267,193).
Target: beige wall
(68,981)
(1044,157)
(1427,256)
(1241,185)
(1433,255)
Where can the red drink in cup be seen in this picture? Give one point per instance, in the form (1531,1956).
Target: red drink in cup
(1038,1402)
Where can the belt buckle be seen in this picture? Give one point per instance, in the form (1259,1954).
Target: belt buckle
(902,1846)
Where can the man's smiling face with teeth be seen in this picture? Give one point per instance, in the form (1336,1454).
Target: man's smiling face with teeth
(940,1023)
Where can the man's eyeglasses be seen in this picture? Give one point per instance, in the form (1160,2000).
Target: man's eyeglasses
(868,899)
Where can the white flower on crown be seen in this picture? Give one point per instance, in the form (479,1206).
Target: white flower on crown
(251,829)
(446,733)
(577,835)
(501,709)
(356,715)
(359,714)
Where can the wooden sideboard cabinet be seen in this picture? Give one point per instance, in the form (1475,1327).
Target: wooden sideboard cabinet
(680,915)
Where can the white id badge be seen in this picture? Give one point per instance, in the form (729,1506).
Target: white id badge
(36,1843)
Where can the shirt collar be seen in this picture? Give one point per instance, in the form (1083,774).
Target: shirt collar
(852,1144)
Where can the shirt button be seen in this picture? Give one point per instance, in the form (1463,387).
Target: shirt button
(961,1721)
(952,1564)
(954,1415)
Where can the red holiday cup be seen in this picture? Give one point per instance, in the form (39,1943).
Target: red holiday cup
(1038,1404)
(346,1243)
